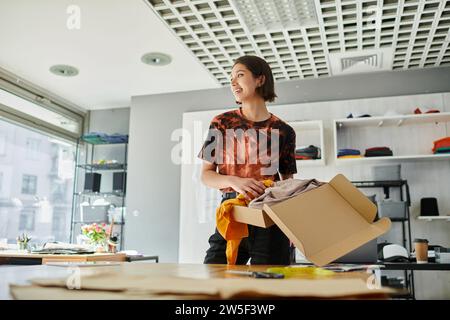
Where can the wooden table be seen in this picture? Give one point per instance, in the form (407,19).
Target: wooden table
(132,281)
(24,258)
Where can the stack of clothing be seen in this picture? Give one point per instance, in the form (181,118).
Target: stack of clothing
(378,152)
(349,153)
(101,138)
(365,115)
(441,145)
(307,153)
(431,110)
(94,137)
(117,138)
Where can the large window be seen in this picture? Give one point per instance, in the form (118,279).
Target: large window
(36,184)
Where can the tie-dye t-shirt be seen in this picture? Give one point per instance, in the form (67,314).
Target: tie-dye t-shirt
(244,148)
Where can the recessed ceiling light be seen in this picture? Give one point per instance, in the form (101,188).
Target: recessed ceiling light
(64,70)
(156,59)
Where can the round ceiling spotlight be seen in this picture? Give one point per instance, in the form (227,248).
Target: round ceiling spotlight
(64,70)
(156,59)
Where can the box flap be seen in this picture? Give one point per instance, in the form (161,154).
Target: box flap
(324,223)
(251,216)
(366,208)
(351,243)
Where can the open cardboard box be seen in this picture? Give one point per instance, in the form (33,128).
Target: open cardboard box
(325,223)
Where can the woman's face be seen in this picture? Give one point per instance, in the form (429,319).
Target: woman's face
(243,83)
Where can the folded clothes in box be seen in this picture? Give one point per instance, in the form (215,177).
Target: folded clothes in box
(336,209)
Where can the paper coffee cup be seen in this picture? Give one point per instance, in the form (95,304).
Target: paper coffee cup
(421,248)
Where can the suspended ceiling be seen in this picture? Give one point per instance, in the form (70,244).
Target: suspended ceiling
(312,38)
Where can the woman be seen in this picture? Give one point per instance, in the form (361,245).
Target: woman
(237,159)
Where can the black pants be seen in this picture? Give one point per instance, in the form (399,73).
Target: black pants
(262,246)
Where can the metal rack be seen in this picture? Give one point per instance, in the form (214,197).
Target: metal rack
(88,165)
(404,196)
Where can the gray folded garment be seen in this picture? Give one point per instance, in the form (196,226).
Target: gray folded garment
(283,190)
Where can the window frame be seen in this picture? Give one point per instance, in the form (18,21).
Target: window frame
(44,99)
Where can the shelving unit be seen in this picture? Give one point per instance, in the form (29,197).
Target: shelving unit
(436,218)
(362,133)
(406,229)
(309,133)
(397,120)
(114,199)
(395,158)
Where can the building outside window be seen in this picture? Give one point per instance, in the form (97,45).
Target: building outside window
(27,220)
(29,184)
(26,183)
(2,144)
(32,147)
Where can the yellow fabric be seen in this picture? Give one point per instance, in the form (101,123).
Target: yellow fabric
(350,157)
(231,230)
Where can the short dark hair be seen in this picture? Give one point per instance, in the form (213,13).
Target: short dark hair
(259,67)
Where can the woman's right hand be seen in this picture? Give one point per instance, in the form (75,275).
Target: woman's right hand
(247,186)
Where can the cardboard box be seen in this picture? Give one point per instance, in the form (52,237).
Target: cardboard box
(256,217)
(325,223)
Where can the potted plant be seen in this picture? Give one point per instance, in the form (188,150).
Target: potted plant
(97,235)
(22,241)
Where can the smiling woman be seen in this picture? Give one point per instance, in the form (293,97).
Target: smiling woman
(244,147)
(250,65)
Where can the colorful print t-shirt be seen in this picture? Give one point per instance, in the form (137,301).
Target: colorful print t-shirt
(249,149)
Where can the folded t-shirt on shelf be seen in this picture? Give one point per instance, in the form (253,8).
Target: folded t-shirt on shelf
(365,115)
(311,152)
(442,150)
(350,157)
(303,158)
(440,144)
(378,152)
(425,110)
(348,152)
(100,137)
